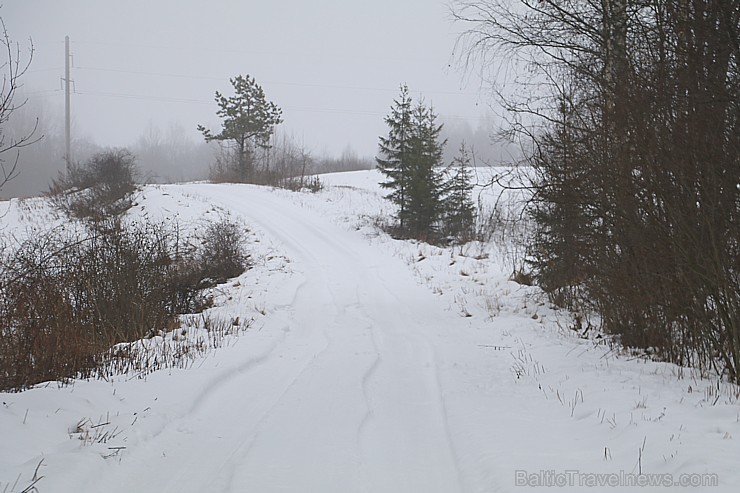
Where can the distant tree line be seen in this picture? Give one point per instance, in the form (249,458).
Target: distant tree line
(635,161)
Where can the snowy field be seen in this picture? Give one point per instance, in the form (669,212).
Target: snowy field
(372,365)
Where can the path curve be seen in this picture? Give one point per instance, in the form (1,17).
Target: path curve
(346,399)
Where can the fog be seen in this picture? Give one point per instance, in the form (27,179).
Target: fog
(146,72)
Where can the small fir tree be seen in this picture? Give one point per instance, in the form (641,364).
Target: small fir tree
(459,208)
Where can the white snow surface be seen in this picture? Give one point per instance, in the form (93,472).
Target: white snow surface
(372,365)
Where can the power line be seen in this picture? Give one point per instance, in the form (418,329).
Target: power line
(296,84)
(154,74)
(38,70)
(282,54)
(144,97)
(168,99)
(43,91)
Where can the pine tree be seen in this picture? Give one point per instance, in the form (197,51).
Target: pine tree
(458,206)
(395,164)
(249,120)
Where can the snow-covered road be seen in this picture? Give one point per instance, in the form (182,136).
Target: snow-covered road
(346,398)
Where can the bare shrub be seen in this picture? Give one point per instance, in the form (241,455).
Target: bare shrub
(489,222)
(222,254)
(59,311)
(224,169)
(522,277)
(101,187)
(313,184)
(40,336)
(285,164)
(67,296)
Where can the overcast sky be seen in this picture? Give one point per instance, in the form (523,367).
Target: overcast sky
(334,66)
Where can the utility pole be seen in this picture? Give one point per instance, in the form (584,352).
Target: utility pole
(67,105)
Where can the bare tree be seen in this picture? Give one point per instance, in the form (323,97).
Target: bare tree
(13,68)
(632,115)
(289,164)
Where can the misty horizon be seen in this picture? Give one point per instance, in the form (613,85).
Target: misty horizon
(145,68)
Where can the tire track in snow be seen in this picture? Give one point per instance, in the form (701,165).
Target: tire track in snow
(366,379)
(402,331)
(239,450)
(341,327)
(244,448)
(437,387)
(228,377)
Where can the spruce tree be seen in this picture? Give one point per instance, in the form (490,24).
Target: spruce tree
(396,157)
(425,187)
(458,205)
(411,159)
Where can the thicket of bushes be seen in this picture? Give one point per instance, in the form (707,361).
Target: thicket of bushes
(99,188)
(636,161)
(285,164)
(68,295)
